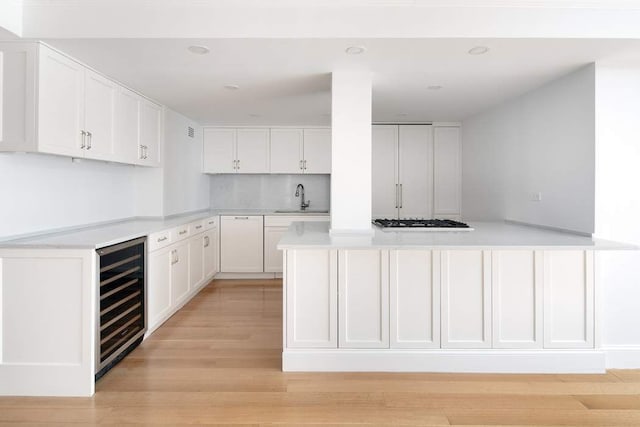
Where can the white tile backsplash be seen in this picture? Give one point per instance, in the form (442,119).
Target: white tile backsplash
(268,191)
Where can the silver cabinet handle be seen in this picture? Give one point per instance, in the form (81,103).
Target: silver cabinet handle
(241,217)
(206,241)
(198,227)
(89,137)
(400,196)
(82,143)
(182,232)
(234,164)
(146,152)
(173,257)
(305,164)
(238,163)
(397,196)
(300,165)
(140,156)
(162,239)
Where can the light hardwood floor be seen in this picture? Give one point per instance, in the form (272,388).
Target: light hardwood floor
(217,361)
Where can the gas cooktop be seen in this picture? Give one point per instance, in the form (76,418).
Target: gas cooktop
(422,224)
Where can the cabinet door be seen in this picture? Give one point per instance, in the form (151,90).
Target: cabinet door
(384,198)
(196,260)
(159,286)
(273,256)
(311,299)
(446,171)
(210,255)
(150,133)
(517,298)
(286,151)
(466,299)
(219,151)
(99,108)
(252,153)
(60,104)
(363,284)
(126,126)
(241,244)
(568,299)
(317,151)
(415,171)
(414,299)
(180,273)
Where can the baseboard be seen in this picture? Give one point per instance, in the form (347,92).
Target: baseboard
(248,276)
(622,356)
(471,361)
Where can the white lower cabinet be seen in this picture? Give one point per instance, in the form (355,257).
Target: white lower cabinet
(241,244)
(568,299)
(363,302)
(159,278)
(414,282)
(273,256)
(211,254)
(180,272)
(196,260)
(466,298)
(517,298)
(311,299)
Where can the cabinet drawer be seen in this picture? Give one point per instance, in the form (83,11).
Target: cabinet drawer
(285,221)
(159,240)
(180,232)
(210,223)
(196,227)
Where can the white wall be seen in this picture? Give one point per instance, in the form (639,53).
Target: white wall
(11,16)
(541,142)
(186,188)
(41,192)
(617,209)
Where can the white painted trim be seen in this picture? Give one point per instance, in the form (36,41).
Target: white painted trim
(247,276)
(622,356)
(476,361)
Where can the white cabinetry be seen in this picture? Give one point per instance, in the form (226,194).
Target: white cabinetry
(446,171)
(61,107)
(317,151)
(274,228)
(241,244)
(236,151)
(414,298)
(466,299)
(517,298)
(402,171)
(568,299)
(363,302)
(287,152)
(311,299)
(181,261)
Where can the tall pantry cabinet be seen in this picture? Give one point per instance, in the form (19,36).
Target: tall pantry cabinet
(416,171)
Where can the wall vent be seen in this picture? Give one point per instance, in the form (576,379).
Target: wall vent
(191,132)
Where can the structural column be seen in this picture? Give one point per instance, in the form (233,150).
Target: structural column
(351,152)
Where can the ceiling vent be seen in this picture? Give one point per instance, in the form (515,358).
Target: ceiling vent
(191,132)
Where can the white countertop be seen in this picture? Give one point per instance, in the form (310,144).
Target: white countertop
(485,235)
(99,236)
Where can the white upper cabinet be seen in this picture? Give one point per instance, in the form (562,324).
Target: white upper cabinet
(252,151)
(317,151)
(99,107)
(127,126)
(62,107)
(385,171)
(446,171)
(219,151)
(150,133)
(286,151)
(228,150)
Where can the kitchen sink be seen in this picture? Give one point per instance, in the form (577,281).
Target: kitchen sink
(301,212)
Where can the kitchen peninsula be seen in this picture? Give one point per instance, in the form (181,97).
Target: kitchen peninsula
(503,298)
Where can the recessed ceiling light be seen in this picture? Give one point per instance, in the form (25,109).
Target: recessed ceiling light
(232,87)
(478,50)
(198,50)
(434,87)
(355,50)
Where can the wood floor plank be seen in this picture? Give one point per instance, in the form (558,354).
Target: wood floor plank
(218,362)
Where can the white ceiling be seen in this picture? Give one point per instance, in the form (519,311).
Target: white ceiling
(287,81)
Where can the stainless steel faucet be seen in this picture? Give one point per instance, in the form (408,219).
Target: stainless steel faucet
(300,193)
